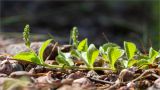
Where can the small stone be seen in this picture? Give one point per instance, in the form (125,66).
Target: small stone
(157,84)
(131,85)
(17,67)
(92,74)
(47,80)
(67,81)
(83,82)
(3,75)
(126,75)
(66,87)
(18,74)
(75,75)
(6,67)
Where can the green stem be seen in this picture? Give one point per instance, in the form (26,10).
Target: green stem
(68,67)
(77,67)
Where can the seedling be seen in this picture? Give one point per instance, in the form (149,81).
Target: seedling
(31,56)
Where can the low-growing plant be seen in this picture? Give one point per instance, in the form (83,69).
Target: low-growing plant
(146,60)
(109,52)
(63,59)
(31,56)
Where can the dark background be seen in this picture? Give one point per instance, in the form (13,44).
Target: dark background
(99,20)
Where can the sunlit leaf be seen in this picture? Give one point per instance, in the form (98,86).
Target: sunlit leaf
(131,62)
(84,57)
(92,54)
(64,59)
(113,55)
(83,45)
(101,50)
(28,56)
(125,63)
(142,62)
(130,49)
(107,45)
(152,55)
(76,53)
(42,49)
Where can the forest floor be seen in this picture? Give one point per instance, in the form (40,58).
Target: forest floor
(22,75)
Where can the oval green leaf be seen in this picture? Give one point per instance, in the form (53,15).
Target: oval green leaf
(28,56)
(130,49)
(42,49)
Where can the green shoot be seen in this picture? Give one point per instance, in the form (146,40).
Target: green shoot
(26,36)
(74,37)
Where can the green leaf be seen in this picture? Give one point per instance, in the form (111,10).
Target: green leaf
(68,59)
(131,62)
(61,60)
(113,55)
(152,55)
(28,56)
(42,49)
(101,50)
(64,59)
(142,57)
(76,53)
(83,45)
(130,49)
(125,63)
(92,54)
(142,62)
(107,45)
(84,57)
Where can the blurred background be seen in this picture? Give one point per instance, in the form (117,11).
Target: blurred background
(100,21)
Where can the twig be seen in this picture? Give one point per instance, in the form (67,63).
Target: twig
(155,75)
(105,37)
(52,50)
(100,81)
(116,85)
(145,72)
